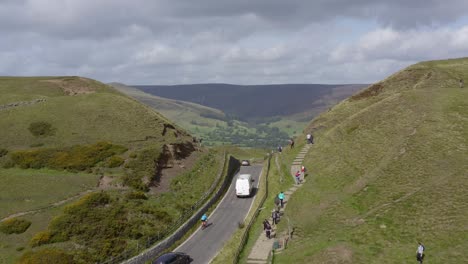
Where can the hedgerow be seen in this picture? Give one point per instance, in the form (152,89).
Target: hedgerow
(75,158)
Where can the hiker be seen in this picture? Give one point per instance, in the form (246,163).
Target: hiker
(275,216)
(268,231)
(267,228)
(277,203)
(303,172)
(461,83)
(280,149)
(298,177)
(281,197)
(420,253)
(291,143)
(310,139)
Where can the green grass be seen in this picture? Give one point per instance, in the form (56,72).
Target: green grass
(25,190)
(56,121)
(13,246)
(106,223)
(388,170)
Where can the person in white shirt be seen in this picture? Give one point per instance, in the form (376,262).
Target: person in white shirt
(420,253)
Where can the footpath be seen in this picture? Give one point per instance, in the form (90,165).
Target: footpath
(263,247)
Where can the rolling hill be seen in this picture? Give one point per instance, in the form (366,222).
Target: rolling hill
(389,169)
(87,172)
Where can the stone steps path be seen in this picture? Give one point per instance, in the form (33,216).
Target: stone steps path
(263,246)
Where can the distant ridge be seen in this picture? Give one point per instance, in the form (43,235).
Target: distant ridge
(255,101)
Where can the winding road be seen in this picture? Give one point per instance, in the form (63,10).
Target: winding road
(203,245)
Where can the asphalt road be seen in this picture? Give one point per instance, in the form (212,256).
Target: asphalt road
(203,245)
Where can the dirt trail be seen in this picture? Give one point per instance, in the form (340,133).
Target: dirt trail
(47,206)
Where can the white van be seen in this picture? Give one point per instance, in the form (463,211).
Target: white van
(244,185)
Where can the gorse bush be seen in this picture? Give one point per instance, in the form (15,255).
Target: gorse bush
(40,238)
(41,129)
(103,225)
(115,161)
(14,226)
(75,158)
(47,255)
(3,152)
(145,164)
(136,195)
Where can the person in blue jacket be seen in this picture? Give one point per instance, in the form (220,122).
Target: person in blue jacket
(281,197)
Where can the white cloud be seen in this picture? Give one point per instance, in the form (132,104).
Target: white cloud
(264,41)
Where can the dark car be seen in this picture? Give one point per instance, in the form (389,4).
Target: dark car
(245,163)
(173,258)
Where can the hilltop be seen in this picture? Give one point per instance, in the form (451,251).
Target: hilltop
(388,170)
(87,172)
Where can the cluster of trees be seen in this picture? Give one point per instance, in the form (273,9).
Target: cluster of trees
(260,137)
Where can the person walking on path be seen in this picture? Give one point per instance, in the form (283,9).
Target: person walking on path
(268,231)
(291,143)
(303,172)
(310,139)
(275,216)
(420,253)
(281,197)
(298,177)
(461,83)
(277,203)
(280,149)
(267,228)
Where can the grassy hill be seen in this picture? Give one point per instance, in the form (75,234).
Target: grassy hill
(389,169)
(86,172)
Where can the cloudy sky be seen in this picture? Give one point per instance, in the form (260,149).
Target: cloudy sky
(230,41)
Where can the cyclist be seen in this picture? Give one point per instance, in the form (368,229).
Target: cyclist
(204,220)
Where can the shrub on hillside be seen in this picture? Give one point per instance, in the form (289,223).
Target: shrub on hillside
(40,238)
(114,162)
(3,152)
(48,255)
(144,165)
(14,226)
(136,196)
(75,158)
(41,129)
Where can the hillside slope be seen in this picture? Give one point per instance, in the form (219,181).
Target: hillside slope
(389,169)
(87,172)
(79,110)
